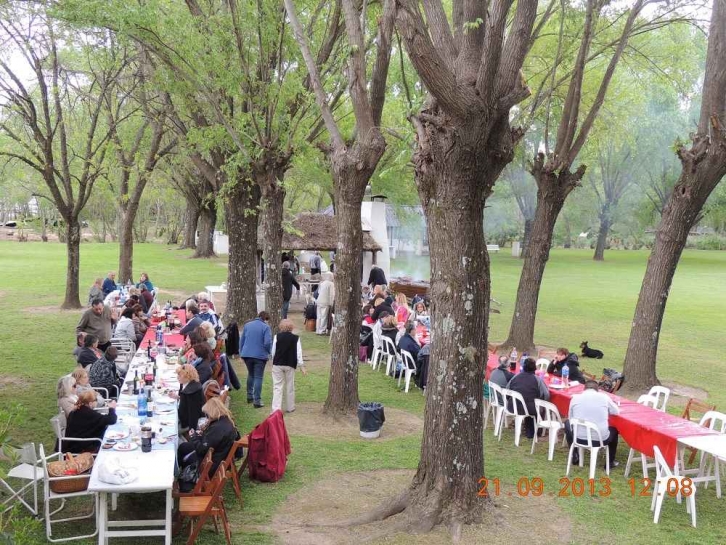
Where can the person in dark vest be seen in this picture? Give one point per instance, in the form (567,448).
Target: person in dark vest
(376,277)
(531,387)
(288,281)
(286,357)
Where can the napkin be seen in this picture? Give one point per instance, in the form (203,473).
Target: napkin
(114,471)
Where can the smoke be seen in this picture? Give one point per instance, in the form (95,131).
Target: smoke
(414,266)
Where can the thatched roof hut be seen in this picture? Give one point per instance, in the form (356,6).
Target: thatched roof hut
(316,232)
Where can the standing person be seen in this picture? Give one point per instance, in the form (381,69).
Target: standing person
(109,284)
(315,261)
(97,321)
(376,277)
(286,357)
(288,281)
(593,406)
(531,387)
(255,344)
(326,299)
(96,291)
(403,313)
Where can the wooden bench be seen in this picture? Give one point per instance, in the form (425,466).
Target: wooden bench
(492,247)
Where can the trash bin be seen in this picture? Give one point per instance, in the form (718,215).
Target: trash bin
(371,419)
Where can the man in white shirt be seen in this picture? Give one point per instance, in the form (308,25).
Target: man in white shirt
(326,299)
(593,406)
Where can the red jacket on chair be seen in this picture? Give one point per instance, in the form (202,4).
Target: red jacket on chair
(268,449)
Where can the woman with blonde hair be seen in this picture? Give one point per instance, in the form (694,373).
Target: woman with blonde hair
(191,397)
(83,384)
(67,396)
(206,330)
(85,423)
(286,357)
(402,310)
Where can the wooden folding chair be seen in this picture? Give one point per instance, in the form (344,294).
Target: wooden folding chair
(229,464)
(198,509)
(201,483)
(694,410)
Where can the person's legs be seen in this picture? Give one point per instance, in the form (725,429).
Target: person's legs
(529,427)
(612,443)
(250,379)
(569,437)
(278,380)
(289,389)
(259,373)
(322,322)
(285,308)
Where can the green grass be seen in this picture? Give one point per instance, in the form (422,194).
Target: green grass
(580,300)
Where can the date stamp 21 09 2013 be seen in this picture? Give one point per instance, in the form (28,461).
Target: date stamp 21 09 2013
(535,486)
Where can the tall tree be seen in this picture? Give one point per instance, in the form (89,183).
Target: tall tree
(352,162)
(52,113)
(552,168)
(703,167)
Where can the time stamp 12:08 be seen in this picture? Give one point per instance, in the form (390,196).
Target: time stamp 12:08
(535,486)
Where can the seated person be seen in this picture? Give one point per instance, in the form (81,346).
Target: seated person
(419,309)
(144,281)
(408,342)
(403,313)
(190,396)
(109,284)
(125,327)
(103,373)
(193,319)
(531,387)
(502,375)
(206,330)
(83,384)
(389,327)
(188,348)
(136,299)
(220,434)
(563,357)
(204,361)
(596,407)
(67,397)
(146,295)
(368,311)
(90,352)
(141,324)
(380,306)
(80,337)
(208,315)
(85,423)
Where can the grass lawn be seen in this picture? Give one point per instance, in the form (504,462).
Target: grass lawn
(580,300)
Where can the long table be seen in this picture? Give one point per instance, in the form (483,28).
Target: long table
(640,426)
(155,468)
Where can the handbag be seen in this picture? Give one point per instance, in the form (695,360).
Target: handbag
(80,465)
(188,477)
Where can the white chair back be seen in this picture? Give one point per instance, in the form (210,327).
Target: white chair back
(542,364)
(389,348)
(648,400)
(591,430)
(661,393)
(546,412)
(408,361)
(125,347)
(661,466)
(714,420)
(496,395)
(519,408)
(58,423)
(377,335)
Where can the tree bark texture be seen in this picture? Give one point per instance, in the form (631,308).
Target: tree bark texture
(552,190)
(73,266)
(207,222)
(451,175)
(240,205)
(126,241)
(191,219)
(602,234)
(527,235)
(351,172)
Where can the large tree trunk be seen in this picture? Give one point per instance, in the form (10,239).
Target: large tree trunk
(602,234)
(552,190)
(527,236)
(207,222)
(451,173)
(126,242)
(73,266)
(191,219)
(240,207)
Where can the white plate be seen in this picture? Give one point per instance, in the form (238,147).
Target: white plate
(125,447)
(164,411)
(557,386)
(165,400)
(116,435)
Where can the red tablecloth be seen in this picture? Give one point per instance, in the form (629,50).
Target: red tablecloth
(640,426)
(171,339)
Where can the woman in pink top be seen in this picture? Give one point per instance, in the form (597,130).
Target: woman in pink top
(402,310)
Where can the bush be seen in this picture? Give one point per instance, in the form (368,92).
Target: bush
(706,242)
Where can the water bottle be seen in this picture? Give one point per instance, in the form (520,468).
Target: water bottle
(141,401)
(513,359)
(566,375)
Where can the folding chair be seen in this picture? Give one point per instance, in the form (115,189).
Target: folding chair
(198,509)
(50,496)
(232,470)
(28,473)
(592,430)
(547,417)
(409,369)
(693,407)
(662,488)
(202,481)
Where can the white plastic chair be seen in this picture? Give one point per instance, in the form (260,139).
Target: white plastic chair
(28,473)
(126,351)
(496,402)
(713,420)
(58,423)
(547,417)
(649,401)
(409,369)
(377,347)
(593,434)
(542,364)
(389,352)
(663,481)
(518,411)
(658,392)
(50,496)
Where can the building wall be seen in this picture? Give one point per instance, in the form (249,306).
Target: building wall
(374,213)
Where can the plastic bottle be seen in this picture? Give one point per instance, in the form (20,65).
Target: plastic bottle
(566,375)
(141,401)
(513,359)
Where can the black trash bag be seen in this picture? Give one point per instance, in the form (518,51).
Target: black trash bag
(370,416)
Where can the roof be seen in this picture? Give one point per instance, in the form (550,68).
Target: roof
(310,231)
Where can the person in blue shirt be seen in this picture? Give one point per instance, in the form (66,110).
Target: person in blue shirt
(144,279)
(109,284)
(255,345)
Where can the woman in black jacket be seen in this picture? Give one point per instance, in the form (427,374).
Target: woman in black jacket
(85,423)
(220,434)
(204,362)
(191,397)
(103,374)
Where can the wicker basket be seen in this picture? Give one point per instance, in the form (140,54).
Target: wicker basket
(80,465)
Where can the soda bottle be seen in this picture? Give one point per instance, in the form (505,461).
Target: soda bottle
(513,359)
(566,375)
